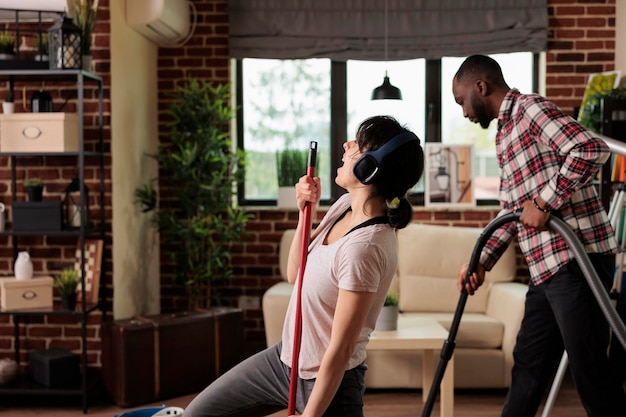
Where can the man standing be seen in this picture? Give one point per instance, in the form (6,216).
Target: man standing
(547,161)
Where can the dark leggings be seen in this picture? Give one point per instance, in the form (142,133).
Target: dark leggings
(259,386)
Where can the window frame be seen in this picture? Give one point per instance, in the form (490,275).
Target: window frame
(338,123)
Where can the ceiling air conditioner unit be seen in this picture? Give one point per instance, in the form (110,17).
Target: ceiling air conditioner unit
(164,22)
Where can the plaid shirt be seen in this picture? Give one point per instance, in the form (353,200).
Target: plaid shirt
(541,151)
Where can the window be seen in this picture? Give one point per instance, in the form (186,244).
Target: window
(288,103)
(285,105)
(364,76)
(455,129)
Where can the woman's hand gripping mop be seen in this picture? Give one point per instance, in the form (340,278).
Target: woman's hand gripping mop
(297,335)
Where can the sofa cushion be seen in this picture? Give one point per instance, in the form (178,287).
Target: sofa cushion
(275,303)
(283,255)
(475,330)
(429,260)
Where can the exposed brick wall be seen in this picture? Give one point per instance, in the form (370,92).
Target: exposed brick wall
(581,40)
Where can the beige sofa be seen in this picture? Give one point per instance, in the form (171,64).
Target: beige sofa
(430,257)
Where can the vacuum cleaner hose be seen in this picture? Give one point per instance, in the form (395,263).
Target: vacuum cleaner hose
(597,288)
(600,293)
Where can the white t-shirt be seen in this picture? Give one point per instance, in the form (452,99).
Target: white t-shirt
(363,260)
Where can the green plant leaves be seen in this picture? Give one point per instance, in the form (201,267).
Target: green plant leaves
(590,114)
(197,219)
(290,165)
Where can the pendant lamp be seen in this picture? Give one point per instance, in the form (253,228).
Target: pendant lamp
(386,91)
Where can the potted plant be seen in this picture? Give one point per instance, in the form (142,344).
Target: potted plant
(198,222)
(7,46)
(84,14)
(290,166)
(67,283)
(8,105)
(34,188)
(388,316)
(42,47)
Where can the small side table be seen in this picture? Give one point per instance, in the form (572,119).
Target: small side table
(417,333)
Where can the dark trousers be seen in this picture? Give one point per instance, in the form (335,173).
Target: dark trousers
(563,313)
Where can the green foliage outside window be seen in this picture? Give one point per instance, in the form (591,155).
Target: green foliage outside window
(290,165)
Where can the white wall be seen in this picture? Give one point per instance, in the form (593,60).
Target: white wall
(620,38)
(134,133)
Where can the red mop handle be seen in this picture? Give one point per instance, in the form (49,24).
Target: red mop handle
(304,251)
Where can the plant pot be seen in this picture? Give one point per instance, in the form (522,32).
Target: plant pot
(387,318)
(68,301)
(87,62)
(8,108)
(35,193)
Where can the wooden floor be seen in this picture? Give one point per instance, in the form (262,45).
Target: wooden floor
(378,403)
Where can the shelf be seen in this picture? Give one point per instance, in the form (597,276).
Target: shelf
(36,154)
(57,310)
(64,232)
(21,64)
(23,385)
(79,79)
(46,75)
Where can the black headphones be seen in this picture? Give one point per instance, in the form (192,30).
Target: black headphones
(369,166)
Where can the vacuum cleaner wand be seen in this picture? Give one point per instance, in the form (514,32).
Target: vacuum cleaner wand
(559,226)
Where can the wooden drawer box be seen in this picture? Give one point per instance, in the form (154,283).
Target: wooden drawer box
(39,132)
(26,294)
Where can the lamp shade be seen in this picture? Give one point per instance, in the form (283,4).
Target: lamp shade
(443,179)
(386,91)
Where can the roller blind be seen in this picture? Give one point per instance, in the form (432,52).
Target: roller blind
(355,29)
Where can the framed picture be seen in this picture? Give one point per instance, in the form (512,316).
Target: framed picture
(93,268)
(598,82)
(448,175)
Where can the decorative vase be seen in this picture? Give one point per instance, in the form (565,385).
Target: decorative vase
(68,301)
(87,63)
(8,370)
(23,267)
(387,318)
(8,107)
(3,219)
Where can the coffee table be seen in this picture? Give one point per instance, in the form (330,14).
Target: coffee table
(427,335)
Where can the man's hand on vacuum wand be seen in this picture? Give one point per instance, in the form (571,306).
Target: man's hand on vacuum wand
(535,214)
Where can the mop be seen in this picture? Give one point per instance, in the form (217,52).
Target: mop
(559,226)
(304,251)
